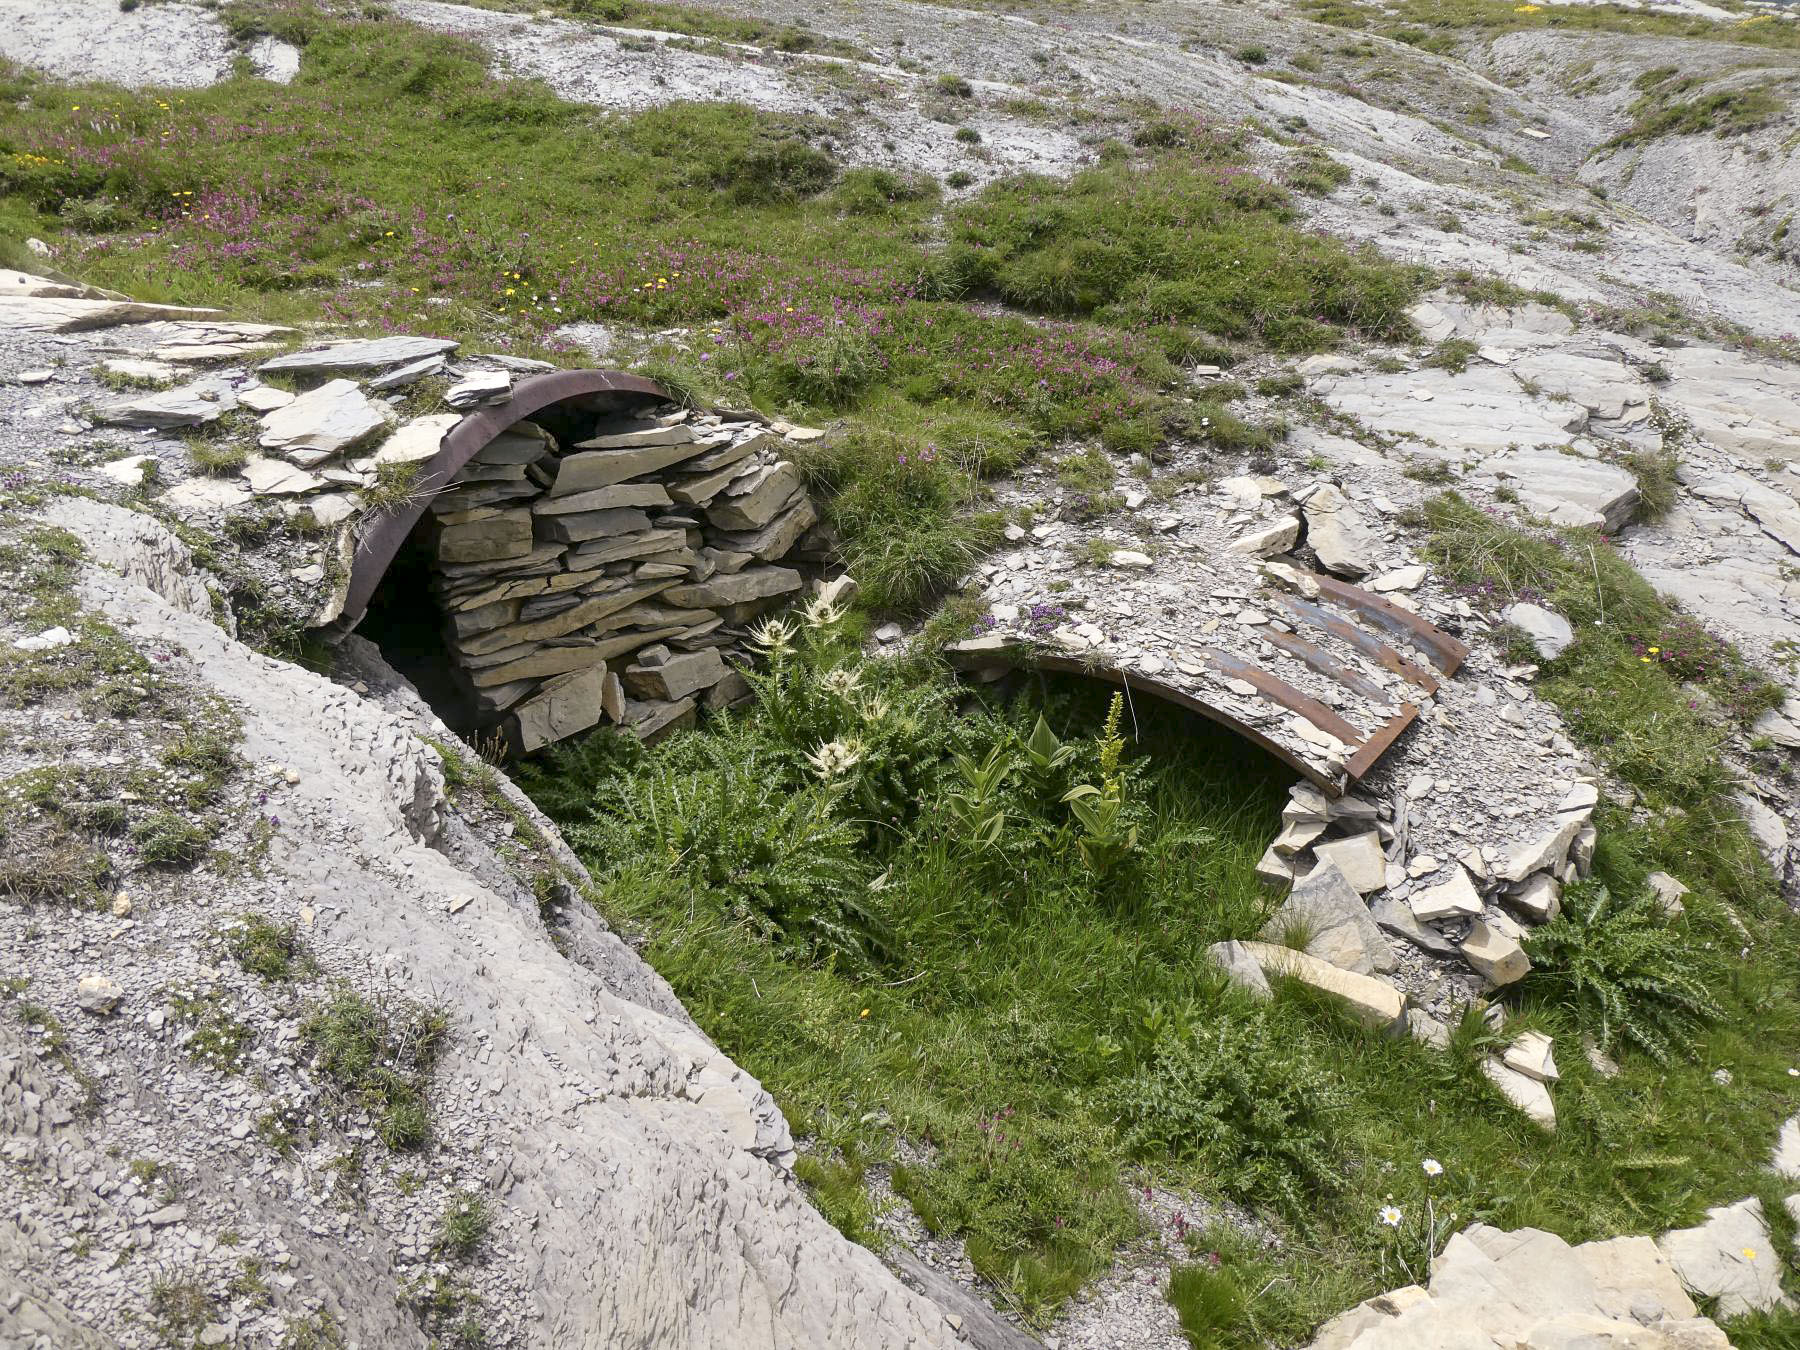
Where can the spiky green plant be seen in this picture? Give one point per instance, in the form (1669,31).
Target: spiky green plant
(1619,964)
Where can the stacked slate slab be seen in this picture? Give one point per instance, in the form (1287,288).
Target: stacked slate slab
(613,578)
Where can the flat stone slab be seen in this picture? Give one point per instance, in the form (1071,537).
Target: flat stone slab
(1729,1257)
(418,440)
(191,406)
(1569,489)
(1339,928)
(58,314)
(327,421)
(1375,1003)
(359,354)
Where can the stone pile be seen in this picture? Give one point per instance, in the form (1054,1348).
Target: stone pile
(612,578)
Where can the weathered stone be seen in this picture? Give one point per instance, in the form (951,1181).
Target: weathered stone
(779,536)
(1296,835)
(534,661)
(1730,1257)
(1337,534)
(589,553)
(1538,899)
(1786,1161)
(754,583)
(612,524)
(190,406)
(275,478)
(1425,1028)
(480,388)
(1568,489)
(1523,1091)
(410,373)
(1360,858)
(1240,968)
(263,398)
(507,535)
(1530,1054)
(1493,954)
(521,443)
(1667,893)
(564,706)
(612,698)
(1546,853)
(98,995)
(757,501)
(632,433)
(650,722)
(1394,917)
(1374,1003)
(330,420)
(677,677)
(72,314)
(586,470)
(1550,634)
(358,354)
(612,498)
(589,610)
(1335,921)
(1456,898)
(200,496)
(130,471)
(1400,579)
(1271,539)
(1274,868)
(418,440)
(1766,828)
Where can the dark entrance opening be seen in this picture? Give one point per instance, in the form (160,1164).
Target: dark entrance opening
(406,622)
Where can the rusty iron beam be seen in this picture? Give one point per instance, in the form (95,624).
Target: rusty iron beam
(1278,690)
(1444,651)
(1365,642)
(1379,741)
(1022,656)
(381,537)
(1320,662)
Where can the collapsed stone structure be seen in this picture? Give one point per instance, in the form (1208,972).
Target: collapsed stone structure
(609,574)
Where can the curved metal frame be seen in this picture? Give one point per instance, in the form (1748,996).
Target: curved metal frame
(381,540)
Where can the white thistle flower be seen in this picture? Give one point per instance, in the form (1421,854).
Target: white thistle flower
(874,708)
(833,758)
(843,681)
(773,635)
(1389,1215)
(820,612)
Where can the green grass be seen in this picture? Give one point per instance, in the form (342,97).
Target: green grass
(379,1057)
(1449,25)
(1044,1029)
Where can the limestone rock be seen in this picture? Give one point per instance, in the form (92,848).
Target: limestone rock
(1375,1003)
(1537,900)
(1551,635)
(1336,921)
(481,388)
(358,354)
(1360,858)
(759,501)
(1271,539)
(1530,1054)
(1766,828)
(616,497)
(418,440)
(1786,1161)
(276,478)
(1395,917)
(1569,489)
(1493,954)
(753,583)
(328,420)
(1528,1094)
(258,398)
(190,406)
(1729,1257)
(130,471)
(98,995)
(583,471)
(1240,967)
(1546,853)
(1337,534)
(1456,898)
(677,677)
(507,535)
(564,706)
(1667,893)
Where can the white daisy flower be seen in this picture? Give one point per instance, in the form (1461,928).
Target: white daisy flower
(1389,1215)
(1433,1168)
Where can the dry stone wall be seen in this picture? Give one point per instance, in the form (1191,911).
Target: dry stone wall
(610,576)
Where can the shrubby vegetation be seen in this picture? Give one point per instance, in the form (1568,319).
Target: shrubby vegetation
(1017,992)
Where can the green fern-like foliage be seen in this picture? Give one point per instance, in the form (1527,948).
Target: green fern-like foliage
(1624,969)
(761,852)
(1243,1098)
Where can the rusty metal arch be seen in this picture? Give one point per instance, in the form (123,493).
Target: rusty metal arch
(383,536)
